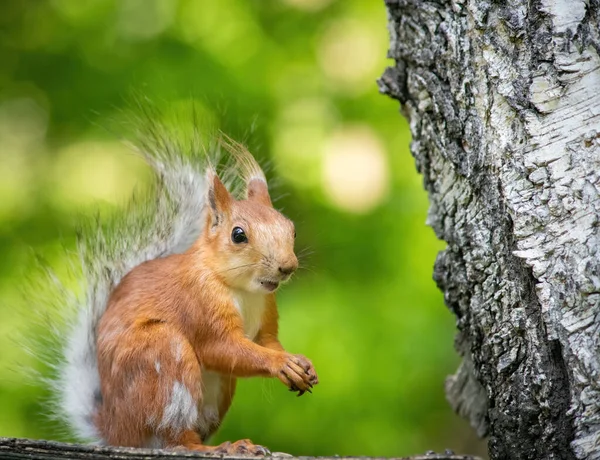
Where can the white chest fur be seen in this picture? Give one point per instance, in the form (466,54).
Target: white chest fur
(208,410)
(251,308)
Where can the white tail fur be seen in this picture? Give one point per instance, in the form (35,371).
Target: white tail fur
(167,223)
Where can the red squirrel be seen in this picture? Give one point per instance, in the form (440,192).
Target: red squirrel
(172,322)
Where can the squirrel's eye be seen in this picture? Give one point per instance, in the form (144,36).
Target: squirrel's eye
(294,234)
(238,236)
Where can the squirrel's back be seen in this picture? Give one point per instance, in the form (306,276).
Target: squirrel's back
(146,285)
(169,290)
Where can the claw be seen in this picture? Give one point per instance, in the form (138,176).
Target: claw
(300,393)
(261,450)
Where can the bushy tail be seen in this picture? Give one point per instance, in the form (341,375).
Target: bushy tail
(165,221)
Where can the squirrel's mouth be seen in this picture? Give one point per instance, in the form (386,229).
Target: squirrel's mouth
(269,285)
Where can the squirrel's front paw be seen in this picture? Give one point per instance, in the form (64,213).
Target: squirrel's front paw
(297,373)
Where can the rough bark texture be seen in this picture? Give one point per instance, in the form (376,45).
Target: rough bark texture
(503,99)
(12,448)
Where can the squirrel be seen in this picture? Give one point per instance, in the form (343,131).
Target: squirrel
(179,303)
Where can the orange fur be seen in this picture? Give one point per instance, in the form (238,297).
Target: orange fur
(175,324)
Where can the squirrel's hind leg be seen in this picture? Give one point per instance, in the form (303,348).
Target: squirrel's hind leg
(151,385)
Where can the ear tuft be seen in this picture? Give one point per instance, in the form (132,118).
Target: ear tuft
(249,170)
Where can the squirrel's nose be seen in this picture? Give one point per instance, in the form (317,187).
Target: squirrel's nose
(287,269)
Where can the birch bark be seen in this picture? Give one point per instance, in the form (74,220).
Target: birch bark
(503,99)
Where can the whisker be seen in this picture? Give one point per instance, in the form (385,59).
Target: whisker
(307,269)
(306,251)
(237,268)
(303,264)
(303,258)
(306,248)
(257,251)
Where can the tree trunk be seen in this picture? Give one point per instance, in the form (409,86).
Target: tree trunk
(503,99)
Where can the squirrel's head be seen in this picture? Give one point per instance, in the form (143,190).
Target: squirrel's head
(252,244)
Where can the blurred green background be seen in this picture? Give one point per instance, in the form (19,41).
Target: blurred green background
(297,77)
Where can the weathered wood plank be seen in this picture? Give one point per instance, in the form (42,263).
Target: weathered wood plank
(14,448)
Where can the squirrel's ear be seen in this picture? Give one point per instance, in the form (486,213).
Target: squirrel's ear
(219,199)
(257,190)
